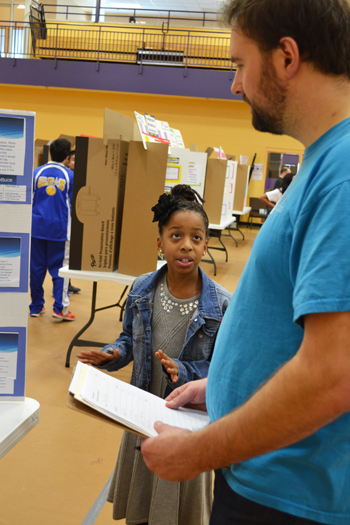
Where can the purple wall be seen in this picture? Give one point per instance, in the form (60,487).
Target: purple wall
(159,80)
(269,183)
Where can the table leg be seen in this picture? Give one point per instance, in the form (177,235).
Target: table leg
(229,234)
(217,235)
(82,342)
(210,261)
(238,218)
(223,248)
(122,308)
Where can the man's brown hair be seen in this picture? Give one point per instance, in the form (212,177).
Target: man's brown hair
(321,28)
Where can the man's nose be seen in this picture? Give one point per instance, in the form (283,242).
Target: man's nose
(236,87)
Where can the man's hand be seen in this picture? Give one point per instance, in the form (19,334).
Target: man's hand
(190,395)
(96,357)
(168,454)
(169,365)
(308,392)
(174,454)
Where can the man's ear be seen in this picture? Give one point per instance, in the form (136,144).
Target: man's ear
(288,56)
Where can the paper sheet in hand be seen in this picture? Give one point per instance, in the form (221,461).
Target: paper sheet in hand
(129,405)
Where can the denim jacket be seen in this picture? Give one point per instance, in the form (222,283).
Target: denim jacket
(134,343)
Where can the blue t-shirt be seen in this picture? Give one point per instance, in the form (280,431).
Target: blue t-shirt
(299,265)
(52,198)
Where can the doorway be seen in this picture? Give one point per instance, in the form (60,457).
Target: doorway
(276,159)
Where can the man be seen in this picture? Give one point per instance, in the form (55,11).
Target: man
(280,178)
(279,400)
(51,218)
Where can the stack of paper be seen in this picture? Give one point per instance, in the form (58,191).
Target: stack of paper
(128,405)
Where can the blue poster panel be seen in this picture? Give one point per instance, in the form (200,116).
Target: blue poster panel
(14,263)
(12,361)
(16,158)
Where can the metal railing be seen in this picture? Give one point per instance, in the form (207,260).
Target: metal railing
(16,39)
(99,13)
(124,44)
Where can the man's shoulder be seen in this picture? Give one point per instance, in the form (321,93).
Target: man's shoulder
(333,145)
(329,164)
(277,183)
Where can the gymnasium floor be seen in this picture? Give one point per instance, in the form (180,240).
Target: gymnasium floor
(55,474)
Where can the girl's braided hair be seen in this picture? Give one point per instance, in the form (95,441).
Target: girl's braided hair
(181,198)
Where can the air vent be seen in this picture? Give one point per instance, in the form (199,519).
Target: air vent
(160,58)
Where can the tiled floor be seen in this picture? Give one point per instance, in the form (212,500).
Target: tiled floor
(54,475)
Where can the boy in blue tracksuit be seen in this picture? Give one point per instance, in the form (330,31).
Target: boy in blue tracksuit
(51,219)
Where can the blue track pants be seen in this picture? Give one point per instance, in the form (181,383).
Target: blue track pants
(48,256)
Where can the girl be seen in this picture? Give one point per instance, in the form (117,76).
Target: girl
(272,198)
(169,328)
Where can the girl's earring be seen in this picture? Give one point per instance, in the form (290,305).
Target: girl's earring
(160,254)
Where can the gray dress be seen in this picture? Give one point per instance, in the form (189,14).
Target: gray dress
(137,494)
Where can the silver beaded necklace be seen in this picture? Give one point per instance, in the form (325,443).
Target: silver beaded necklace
(168,304)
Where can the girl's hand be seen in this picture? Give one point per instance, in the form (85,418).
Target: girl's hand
(96,357)
(169,365)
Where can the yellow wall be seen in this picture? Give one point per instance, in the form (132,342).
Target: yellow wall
(202,121)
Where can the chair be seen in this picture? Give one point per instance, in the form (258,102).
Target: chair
(256,205)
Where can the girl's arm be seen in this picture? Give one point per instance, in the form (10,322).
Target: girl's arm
(98,357)
(266,201)
(169,365)
(192,370)
(122,348)
(180,372)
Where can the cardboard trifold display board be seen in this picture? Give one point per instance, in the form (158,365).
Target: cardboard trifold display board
(39,158)
(220,185)
(241,187)
(226,187)
(229,193)
(144,184)
(186,167)
(98,195)
(116,183)
(145,180)
(214,189)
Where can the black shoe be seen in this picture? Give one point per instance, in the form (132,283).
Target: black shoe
(73,289)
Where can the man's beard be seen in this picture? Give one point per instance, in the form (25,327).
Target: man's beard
(269,117)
